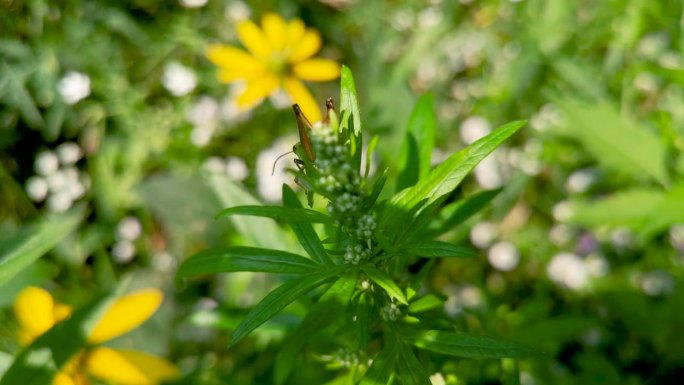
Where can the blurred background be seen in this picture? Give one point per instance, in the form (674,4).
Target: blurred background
(111,113)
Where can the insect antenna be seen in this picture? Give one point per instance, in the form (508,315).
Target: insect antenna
(278,158)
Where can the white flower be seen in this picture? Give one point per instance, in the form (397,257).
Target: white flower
(178,79)
(568,270)
(562,211)
(129,229)
(204,112)
(581,180)
(429,17)
(200,136)
(597,266)
(193,3)
(280,99)
(59,202)
(437,379)
(503,256)
(214,165)
(36,188)
(46,163)
(236,168)
(560,234)
(237,11)
(488,173)
(483,234)
(73,87)
(123,251)
(69,153)
(270,186)
(474,128)
(657,282)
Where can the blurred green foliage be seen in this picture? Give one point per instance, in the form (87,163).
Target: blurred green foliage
(590,201)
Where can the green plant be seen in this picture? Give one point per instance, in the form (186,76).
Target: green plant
(360,272)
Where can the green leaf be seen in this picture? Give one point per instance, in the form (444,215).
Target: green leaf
(458,212)
(467,345)
(369,154)
(425,303)
(381,370)
(436,249)
(38,363)
(616,140)
(409,369)
(665,214)
(416,154)
(447,176)
(370,200)
(386,282)
(627,208)
(305,233)
(238,258)
(327,310)
(285,214)
(350,114)
(276,300)
(20,250)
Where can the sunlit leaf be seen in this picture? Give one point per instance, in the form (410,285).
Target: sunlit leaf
(22,249)
(304,231)
(277,299)
(386,282)
(253,259)
(467,345)
(437,249)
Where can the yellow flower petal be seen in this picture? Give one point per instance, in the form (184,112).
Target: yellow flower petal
(232,58)
(309,44)
(34,309)
(61,311)
(301,95)
(295,32)
(275,29)
(126,367)
(63,379)
(317,70)
(230,76)
(127,313)
(254,39)
(256,91)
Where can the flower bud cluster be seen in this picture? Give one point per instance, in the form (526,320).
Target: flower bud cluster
(342,184)
(390,312)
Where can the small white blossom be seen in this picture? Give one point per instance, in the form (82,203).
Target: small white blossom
(46,163)
(562,211)
(270,186)
(236,168)
(568,270)
(437,379)
(237,11)
(657,282)
(503,256)
(201,136)
(123,251)
(178,79)
(69,153)
(483,234)
(193,3)
(204,112)
(36,188)
(59,202)
(474,128)
(129,229)
(581,180)
(74,87)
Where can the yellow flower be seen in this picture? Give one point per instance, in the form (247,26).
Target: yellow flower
(279,57)
(37,312)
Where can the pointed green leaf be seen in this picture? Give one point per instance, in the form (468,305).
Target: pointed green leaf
(416,154)
(276,300)
(467,345)
(253,259)
(437,249)
(305,233)
(349,102)
(285,214)
(386,282)
(370,200)
(328,309)
(381,370)
(22,249)
(624,208)
(425,303)
(617,140)
(458,212)
(448,175)
(668,212)
(409,369)
(39,362)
